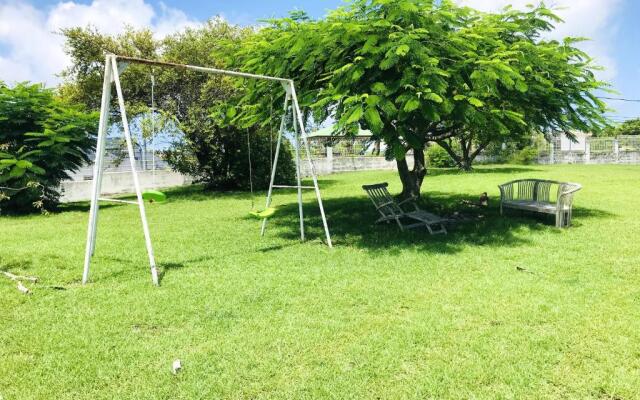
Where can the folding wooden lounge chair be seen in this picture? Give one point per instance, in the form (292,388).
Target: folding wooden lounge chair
(390,210)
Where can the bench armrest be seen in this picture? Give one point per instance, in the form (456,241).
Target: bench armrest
(506,190)
(565,194)
(411,200)
(382,205)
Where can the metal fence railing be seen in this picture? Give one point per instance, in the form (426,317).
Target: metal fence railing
(357,147)
(118,164)
(629,143)
(621,149)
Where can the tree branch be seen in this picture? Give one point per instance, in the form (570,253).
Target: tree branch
(478,150)
(447,147)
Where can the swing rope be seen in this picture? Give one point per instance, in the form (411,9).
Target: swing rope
(269,211)
(153,196)
(270,133)
(250,170)
(153,129)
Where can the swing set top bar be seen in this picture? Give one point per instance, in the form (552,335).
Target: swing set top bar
(200,69)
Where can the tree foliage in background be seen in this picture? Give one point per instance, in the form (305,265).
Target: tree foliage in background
(542,86)
(627,128)
(42,140)
(419,71)
(209,146)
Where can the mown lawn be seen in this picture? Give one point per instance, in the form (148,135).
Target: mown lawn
(382,315)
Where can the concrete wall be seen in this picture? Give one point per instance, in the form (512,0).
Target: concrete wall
(582,157)
(122,182)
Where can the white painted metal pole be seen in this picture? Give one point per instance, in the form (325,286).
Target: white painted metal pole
(136,183)
(100,149)
(296,144)
(97,168)
(296,106)
(275,160)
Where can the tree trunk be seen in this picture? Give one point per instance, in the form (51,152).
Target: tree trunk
(465,163)
(464,160)
(412,179)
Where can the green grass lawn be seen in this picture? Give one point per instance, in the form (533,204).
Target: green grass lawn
(383,315)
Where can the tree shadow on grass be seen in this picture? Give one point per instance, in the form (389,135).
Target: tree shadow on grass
(352,223)
(83,207)
(181,193)
(195,192)
(15,266)
(198,192)
(513,169)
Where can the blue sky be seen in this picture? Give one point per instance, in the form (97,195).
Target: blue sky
(29,50)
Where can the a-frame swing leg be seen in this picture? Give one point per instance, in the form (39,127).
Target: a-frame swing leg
(97,168)
(296,144)
(297,116)
(136,183)
(111,74)
(299,132)
(275,161)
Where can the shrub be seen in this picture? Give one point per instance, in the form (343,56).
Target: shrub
(42,140)
(437,157)
(527,155)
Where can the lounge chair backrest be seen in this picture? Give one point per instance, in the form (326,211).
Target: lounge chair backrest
(382,199)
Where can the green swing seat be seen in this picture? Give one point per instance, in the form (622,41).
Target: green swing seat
(266,213)
(154,196)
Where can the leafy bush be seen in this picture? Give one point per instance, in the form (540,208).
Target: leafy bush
(42,140)
(527,155)
(437,157)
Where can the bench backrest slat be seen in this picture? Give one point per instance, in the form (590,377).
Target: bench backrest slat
(543,189)
(540,190)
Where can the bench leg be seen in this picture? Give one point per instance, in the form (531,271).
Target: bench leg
(566,219)
(442,230)
(429,229)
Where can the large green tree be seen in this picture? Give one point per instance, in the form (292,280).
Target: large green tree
(416,71)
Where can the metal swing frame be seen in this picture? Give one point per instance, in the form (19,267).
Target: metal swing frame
(113,67)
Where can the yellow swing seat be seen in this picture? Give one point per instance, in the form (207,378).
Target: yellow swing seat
(154,196)
(266,213)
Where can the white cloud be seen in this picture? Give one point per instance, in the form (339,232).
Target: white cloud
(32,50)
(593,19)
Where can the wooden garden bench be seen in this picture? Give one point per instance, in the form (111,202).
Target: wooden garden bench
(390,210)
(540,196)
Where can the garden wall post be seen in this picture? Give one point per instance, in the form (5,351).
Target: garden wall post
(329,159)
(587,151)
